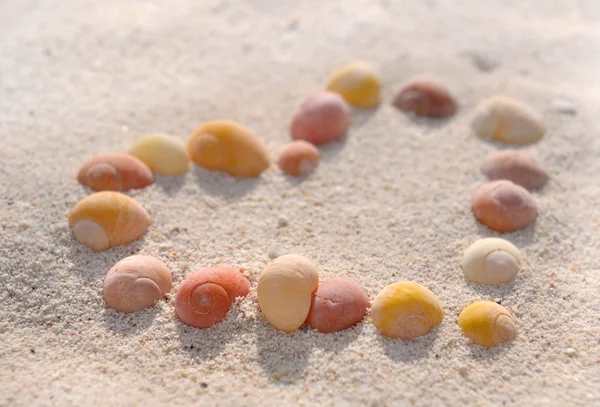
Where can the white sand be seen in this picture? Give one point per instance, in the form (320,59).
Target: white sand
(390,203)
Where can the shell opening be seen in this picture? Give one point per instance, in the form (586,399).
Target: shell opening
(208,298)
(143,293)
(413,326)
(501,266)
(91,234)
(505,328)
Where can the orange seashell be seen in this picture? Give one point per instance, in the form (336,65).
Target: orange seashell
(107,219)
(298,158)
(424,97)
(135,283)
(226,146)
(321,118)
(205,296)
(519,167)
(338,303)
(503,206)
(115,172)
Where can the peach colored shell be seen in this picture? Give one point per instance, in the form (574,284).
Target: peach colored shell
(321,118)
(298,158)
(115,172)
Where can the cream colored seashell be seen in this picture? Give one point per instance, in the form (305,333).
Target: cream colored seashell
(507,121)
(136,282)
(285,290)
(163,154)
(491,261)
(115,172)
(406,310)
(358,84)
(108,219)
(226,146)
(487,324)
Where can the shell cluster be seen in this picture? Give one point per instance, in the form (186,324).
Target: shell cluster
(135,283)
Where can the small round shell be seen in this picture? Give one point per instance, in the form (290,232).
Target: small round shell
(205,296)
(322,118)
(358,83)
(115,172)
(136,282)
(338,303)
(507,121)
(487,324)
(298,158)
(491,261)
(285,289)
(503,206)
(520,167)
(226,146)
(163,154)
(426,98)
(406,310)
(108,219)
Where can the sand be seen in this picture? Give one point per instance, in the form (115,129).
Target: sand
(389,203)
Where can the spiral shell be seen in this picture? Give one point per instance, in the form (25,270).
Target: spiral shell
(114,172)
(298,158)
(406,310)
(163,154)
(205,296)
(285,289)
(338,303)
(320,119)
(108,219)
(425,98)
(491,261)
(358,84)
(487,324)
(507,121)
(503,206)
(226,146)
(520,167)
(136,282)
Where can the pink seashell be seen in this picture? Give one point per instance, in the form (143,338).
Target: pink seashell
(115,172)
(322,118)
(519,167)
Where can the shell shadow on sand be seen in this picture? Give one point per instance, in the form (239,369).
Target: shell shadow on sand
(408,351)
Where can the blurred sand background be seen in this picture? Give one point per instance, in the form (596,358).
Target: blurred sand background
(389,203)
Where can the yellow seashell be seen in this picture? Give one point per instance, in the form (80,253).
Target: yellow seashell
(491,261)
(226,146)
(406,310)
(487,324)
(163,154)
(285,290)
(358,84)
(108,219)
(136,282)
(507,121)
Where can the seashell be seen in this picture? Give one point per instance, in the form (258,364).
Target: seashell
(406,310)
(338,303)
(115,172)
(321,118)
(519,167)
(135,283)
(298,158)
(108,219)
(205,296)
(487,324)
(503,206)
(358,83)
(285,289)
(226,146)
(425,97)
(491,261)
(163,154)
(507,121)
